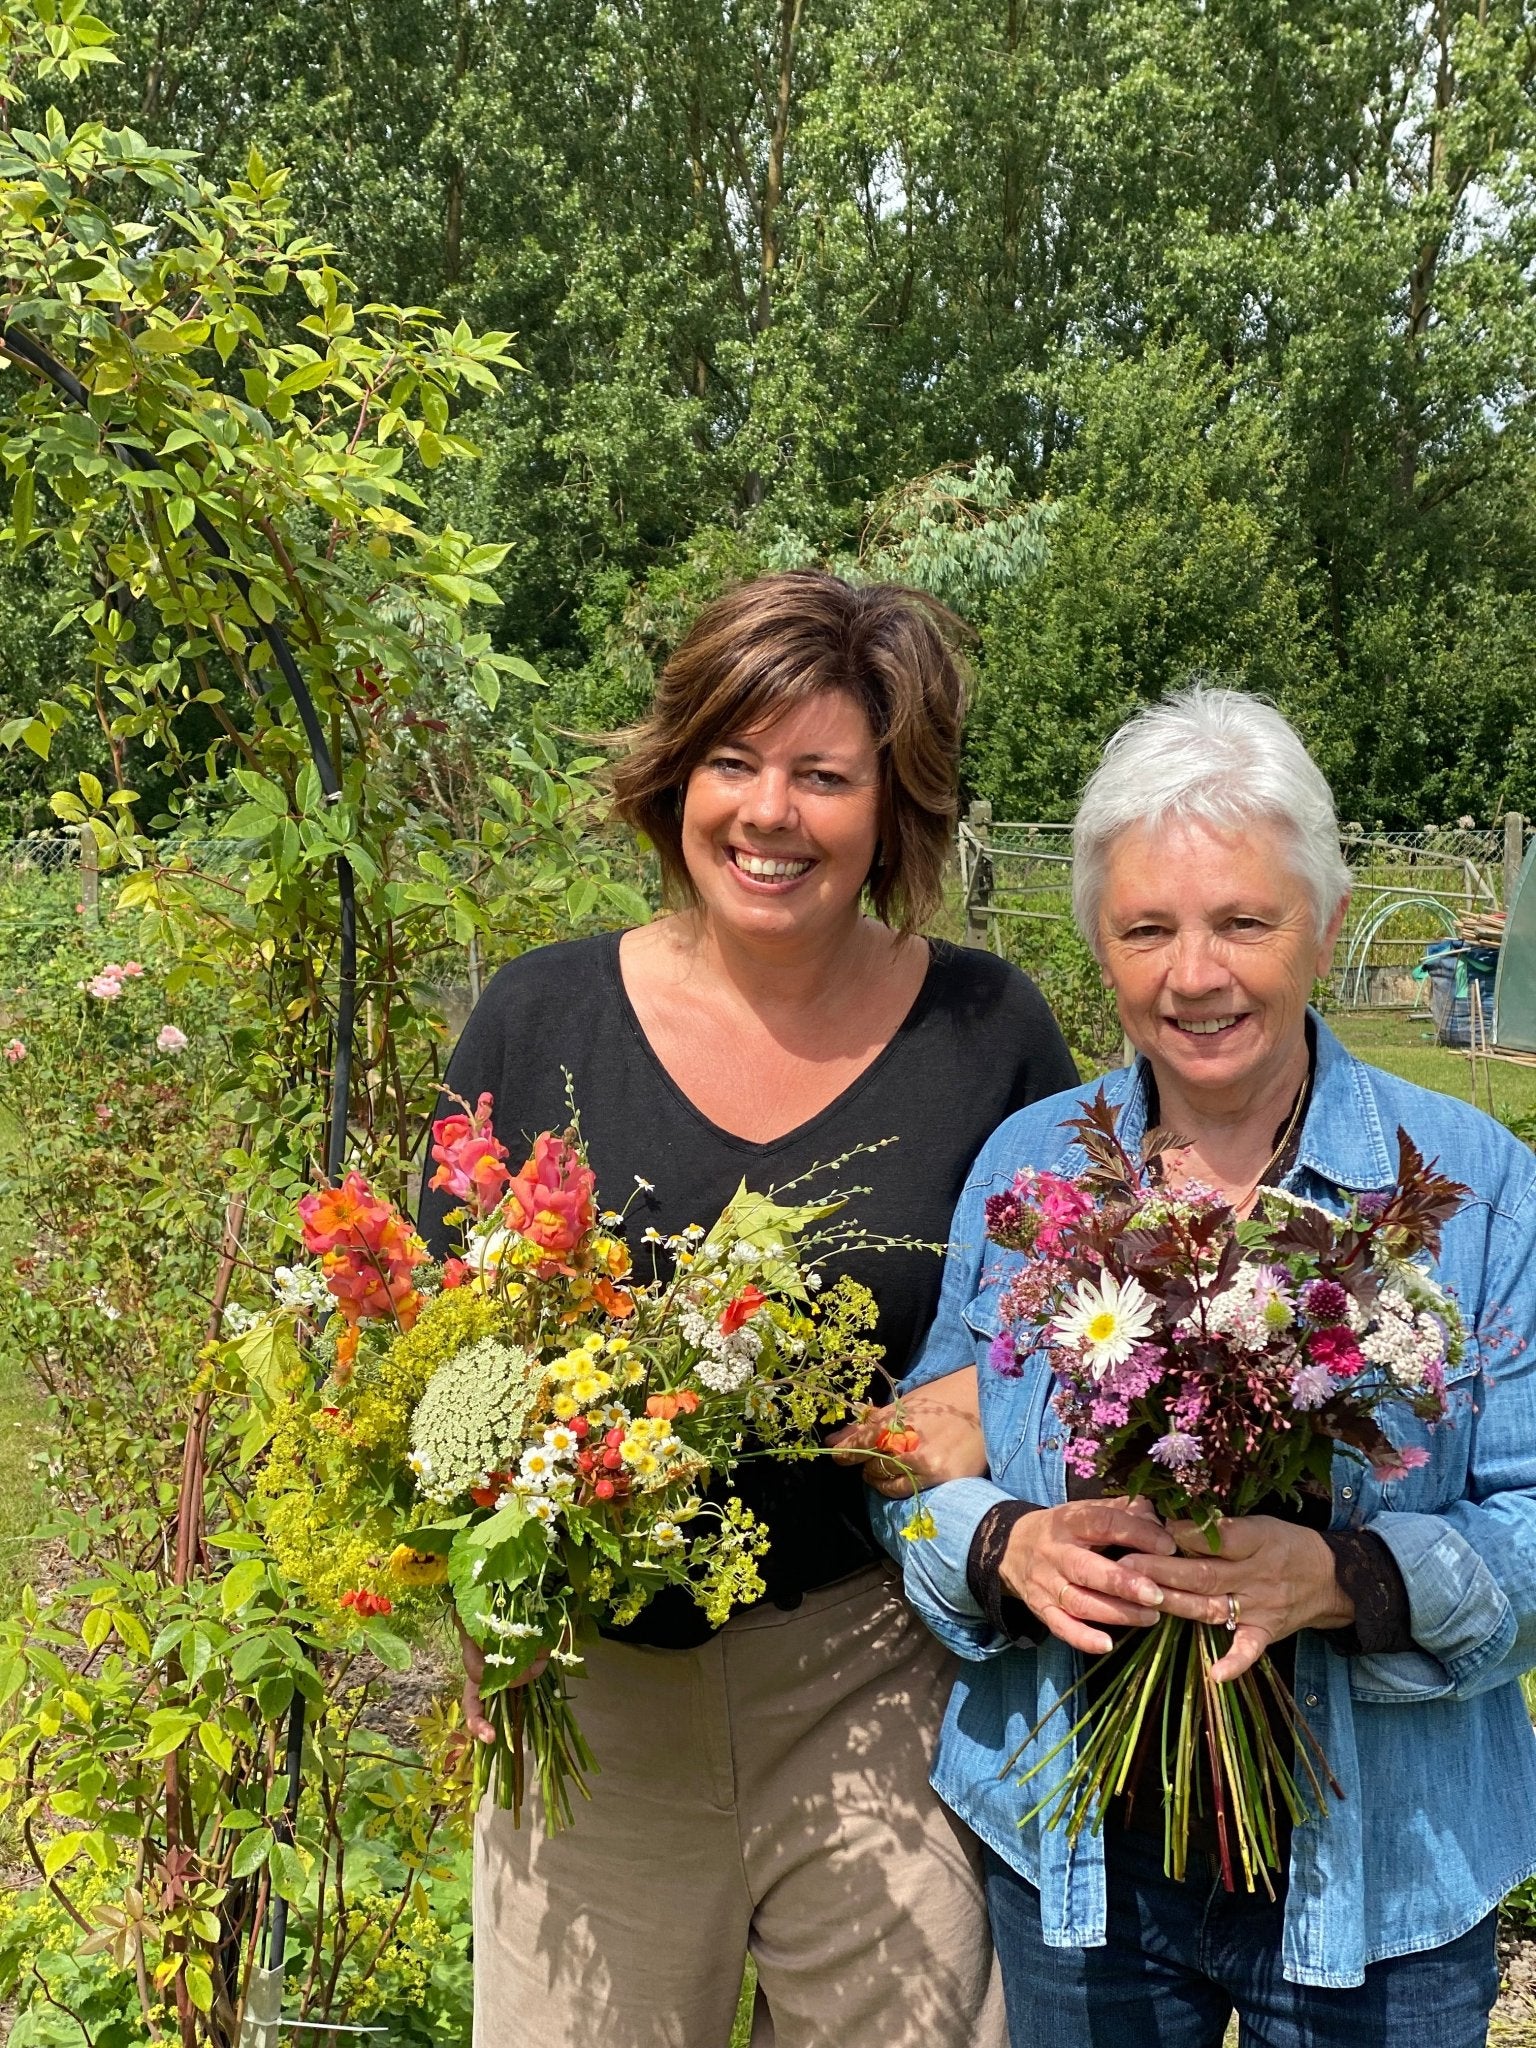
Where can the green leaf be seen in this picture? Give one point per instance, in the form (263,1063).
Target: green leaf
(216,1744)
(178,340)
(131,1631)
(23,505)
(270,795)
(90,789)
(437,1538)
(252,1853)
(199,1984)
(392,1651)
(197,1655)
(168,1729)
(241,1583)
(62,1850)
(308,377)
(273,1695)
(290,1872)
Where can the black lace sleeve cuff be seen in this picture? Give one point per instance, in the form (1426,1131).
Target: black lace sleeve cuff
(984,1573)
(1369,1574)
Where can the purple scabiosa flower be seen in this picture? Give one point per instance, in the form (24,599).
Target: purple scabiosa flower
(1325,1301)
(1373,1205)
(1003,1355)
(1179,1451)
(1311,1387)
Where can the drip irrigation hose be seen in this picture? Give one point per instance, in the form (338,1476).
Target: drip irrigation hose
(19,345)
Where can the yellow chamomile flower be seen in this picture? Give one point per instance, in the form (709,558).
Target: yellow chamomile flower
(666,1536)
(563,1407)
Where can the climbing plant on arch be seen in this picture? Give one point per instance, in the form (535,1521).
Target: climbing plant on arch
(227,447)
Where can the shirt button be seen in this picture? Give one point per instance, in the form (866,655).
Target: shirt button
(1347,1493)
(1312,1700)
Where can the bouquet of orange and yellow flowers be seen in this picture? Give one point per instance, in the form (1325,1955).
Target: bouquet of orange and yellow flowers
(536,1432)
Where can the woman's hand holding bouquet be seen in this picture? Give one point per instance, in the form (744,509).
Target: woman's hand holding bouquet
(540,1434)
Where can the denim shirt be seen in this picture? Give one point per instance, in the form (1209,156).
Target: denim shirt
(1432,1746)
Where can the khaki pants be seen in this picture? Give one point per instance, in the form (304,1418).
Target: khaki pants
(767,1792)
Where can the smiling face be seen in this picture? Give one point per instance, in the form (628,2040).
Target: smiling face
(780,824)
(1209,940)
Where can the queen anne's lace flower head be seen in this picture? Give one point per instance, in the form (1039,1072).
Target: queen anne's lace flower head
(473,1417)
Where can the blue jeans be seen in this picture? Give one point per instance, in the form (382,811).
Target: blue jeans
(1182,1958)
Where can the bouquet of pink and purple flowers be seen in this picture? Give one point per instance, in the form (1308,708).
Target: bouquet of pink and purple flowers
(1210,1363)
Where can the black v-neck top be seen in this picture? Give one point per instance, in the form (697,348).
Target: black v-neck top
(977,1044)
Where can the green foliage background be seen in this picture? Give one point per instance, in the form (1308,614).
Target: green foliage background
(1241,290)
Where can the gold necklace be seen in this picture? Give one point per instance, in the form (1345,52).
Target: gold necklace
(1238,1204)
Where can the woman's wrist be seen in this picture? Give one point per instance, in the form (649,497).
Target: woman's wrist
(1334,1603)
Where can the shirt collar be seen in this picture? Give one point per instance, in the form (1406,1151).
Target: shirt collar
(1342,1140)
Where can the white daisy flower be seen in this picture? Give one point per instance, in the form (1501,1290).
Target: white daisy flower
(1106,1321)
(559,1441)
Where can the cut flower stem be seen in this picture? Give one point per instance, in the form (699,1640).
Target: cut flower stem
(1162,1707)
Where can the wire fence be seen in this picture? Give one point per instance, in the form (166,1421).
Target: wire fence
(1408,888)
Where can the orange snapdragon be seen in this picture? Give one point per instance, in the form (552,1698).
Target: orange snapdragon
(368,1252)
(551,1201)
(470,1158)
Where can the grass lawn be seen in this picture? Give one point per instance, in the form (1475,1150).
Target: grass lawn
(1403,1041)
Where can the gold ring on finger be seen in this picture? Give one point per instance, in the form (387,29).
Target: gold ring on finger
(1234,1613)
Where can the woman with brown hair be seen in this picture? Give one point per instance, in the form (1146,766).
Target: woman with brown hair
(763,1787)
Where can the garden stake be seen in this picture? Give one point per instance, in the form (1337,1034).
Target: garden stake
(24,350)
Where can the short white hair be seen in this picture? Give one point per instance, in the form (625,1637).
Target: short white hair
(1213,757)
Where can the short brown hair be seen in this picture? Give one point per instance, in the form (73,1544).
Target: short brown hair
(771,644)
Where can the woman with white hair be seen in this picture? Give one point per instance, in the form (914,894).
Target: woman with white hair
(1209,883)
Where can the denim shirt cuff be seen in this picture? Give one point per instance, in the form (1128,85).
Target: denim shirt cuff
(933,1562)
(1462,1621)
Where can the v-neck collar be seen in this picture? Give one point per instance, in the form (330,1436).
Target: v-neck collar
(918,1009)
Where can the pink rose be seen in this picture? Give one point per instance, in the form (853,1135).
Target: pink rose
(169,1039)
(15,1051)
